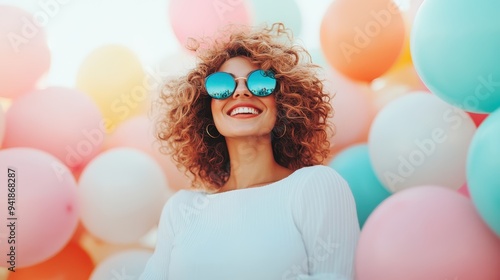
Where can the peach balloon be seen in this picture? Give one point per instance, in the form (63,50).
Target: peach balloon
(353,111)
(24,53)
(2,125)
(43,212)
(137,132)
(362,39)
(201,18)
(427,232)
(61,121)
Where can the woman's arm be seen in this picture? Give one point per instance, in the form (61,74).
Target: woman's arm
(325,214)
(158,265)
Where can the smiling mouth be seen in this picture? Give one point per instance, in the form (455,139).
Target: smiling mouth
(243,111)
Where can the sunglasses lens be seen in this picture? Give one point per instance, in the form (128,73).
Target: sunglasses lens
(261,83)
(220,85)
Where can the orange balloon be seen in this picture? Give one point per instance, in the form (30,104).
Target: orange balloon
(362,39)
(70,263)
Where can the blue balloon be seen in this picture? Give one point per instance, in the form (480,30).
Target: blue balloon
(483,170)
(455,46)
(285,11)
(354,165)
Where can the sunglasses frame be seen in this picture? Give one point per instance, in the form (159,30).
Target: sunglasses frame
(246,83)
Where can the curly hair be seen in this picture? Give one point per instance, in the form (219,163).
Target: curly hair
(302,105)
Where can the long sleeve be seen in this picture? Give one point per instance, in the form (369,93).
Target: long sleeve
(158,265)
(325,213)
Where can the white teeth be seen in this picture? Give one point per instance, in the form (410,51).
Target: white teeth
(244,110)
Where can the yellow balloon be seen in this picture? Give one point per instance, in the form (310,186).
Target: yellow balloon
(114,78)
(404,58)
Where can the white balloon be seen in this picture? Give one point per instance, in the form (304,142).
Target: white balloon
(122,192)
(128,264)
(418,139)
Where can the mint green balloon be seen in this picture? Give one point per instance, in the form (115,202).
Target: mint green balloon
(285,11)
(354,165)
(455,46)
(483,170)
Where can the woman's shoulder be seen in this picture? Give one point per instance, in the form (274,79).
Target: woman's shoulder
(321,177)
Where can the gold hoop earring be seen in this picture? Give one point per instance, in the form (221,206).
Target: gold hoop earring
(208,131)
(281,135)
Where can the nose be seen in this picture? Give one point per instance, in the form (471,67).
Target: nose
(241,89)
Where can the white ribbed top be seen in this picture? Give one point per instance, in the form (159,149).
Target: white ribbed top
(301,227)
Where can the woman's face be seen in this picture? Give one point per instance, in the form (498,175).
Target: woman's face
(256,116)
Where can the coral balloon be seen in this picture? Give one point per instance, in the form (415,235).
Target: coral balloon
(483,161)
(42,208)
(427,232)
(61,121)
(122,192)
(137,132)
(128,264)
(477,118)
(206,18)
(456,62)
(419,139)
(362,39)
(353,163)
(24,52)
(71,263)
(114,77)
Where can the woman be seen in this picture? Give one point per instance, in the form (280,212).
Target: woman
(249,123)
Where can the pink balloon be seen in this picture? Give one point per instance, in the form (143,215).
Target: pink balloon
(137,132)
(352,107)
(2,125)
(44,202)
(201,18)
(427,232)
(24,53)
(464,190)
(63,122)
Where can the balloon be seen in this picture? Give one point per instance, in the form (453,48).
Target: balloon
(100,250)
(2,125)
(362,39)
(419,139)
(113,76)
(269,12)
(353,111)
(354,165)
(395,84)
(464,190)
(122,192)
(427,232)
(137,132)
(483,161)
(459,63)
(61,121)
(127,264)
(206,18)
(72,262)
(24,52)
(44,203)
(477,118)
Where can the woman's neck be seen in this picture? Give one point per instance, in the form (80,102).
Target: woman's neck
(252,163)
